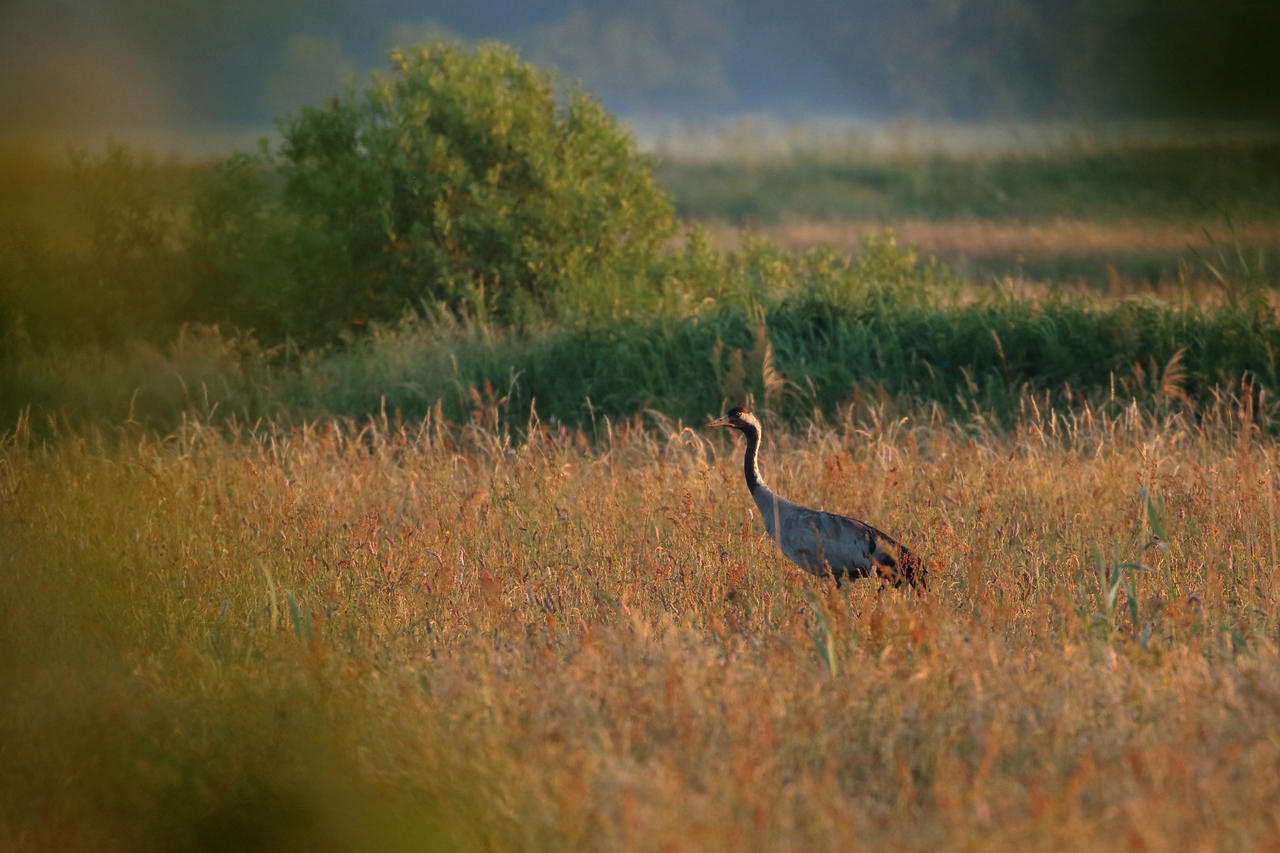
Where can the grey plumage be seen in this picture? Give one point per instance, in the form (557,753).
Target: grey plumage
(821,543)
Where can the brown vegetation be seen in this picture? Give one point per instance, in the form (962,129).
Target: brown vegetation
(333,637)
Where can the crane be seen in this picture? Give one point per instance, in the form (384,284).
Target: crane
(821,543)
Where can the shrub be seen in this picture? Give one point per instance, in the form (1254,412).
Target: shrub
(243,251)
(91,253)
(463,178)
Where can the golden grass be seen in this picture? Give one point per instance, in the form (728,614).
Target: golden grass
(331,638)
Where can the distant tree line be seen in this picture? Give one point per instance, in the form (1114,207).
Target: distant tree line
(970,59)
(1045,58)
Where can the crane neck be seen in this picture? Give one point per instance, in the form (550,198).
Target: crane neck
(750,463)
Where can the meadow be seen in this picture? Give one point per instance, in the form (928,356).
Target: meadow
(1107,210)
(1155,180)
(352,635)
(342,509)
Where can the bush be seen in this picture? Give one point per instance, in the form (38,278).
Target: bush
(90,253)
(463,179)
(243,251)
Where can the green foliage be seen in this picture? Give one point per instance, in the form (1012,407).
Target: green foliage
(461,179)
(201,372)
(119,246)
(501,252)
(798,333)
(1114,576)
(243,250)
(103,262)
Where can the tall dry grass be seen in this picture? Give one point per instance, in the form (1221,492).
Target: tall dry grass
(381,637)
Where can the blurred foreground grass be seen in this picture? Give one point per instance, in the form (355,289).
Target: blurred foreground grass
(364,636)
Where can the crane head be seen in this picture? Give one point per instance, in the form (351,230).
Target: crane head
(739,418)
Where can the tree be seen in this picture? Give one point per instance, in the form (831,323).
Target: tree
(464,177)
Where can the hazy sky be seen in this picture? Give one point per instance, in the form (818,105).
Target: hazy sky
(71,64)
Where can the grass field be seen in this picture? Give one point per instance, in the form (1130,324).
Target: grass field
(343,637)
(1124,257)
(1158,180)
(1080,207)
(455,583)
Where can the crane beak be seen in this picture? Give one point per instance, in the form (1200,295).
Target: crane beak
(719,422)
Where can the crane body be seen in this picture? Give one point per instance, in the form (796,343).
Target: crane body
(821,543)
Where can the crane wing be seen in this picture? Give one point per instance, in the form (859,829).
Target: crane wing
(825,543)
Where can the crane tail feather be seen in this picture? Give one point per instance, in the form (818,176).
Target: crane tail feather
(896,565)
